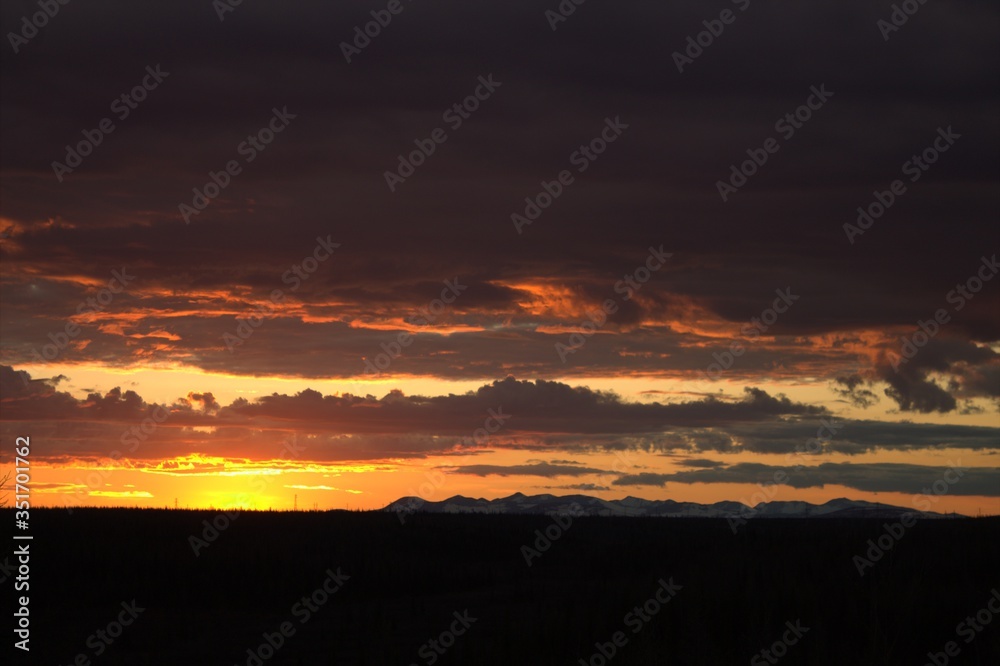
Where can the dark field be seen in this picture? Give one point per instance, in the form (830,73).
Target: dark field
(407,581)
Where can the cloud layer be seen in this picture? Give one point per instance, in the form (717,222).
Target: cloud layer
(323,177)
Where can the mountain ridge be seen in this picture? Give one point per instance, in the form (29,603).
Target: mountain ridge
(586,505)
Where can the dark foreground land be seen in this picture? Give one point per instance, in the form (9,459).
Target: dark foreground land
(400,586)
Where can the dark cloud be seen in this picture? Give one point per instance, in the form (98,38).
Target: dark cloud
(701,462)
(869,477)
(536,469)
(206,402)
(852,388)
(537,416)
(324,176)
(974,371)
(520,414)
(849,437)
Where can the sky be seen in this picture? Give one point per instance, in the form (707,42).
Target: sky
(253,256)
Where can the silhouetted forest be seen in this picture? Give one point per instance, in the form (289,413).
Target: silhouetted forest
(404,584)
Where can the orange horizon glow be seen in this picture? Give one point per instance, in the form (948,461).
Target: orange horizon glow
(211,482)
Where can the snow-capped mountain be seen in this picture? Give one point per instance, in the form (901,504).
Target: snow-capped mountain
(584,505)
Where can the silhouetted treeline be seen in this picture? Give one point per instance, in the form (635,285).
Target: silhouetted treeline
(406,580)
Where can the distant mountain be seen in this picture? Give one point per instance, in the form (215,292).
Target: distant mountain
(584,505)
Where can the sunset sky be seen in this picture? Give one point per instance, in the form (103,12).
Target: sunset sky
(239,295)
